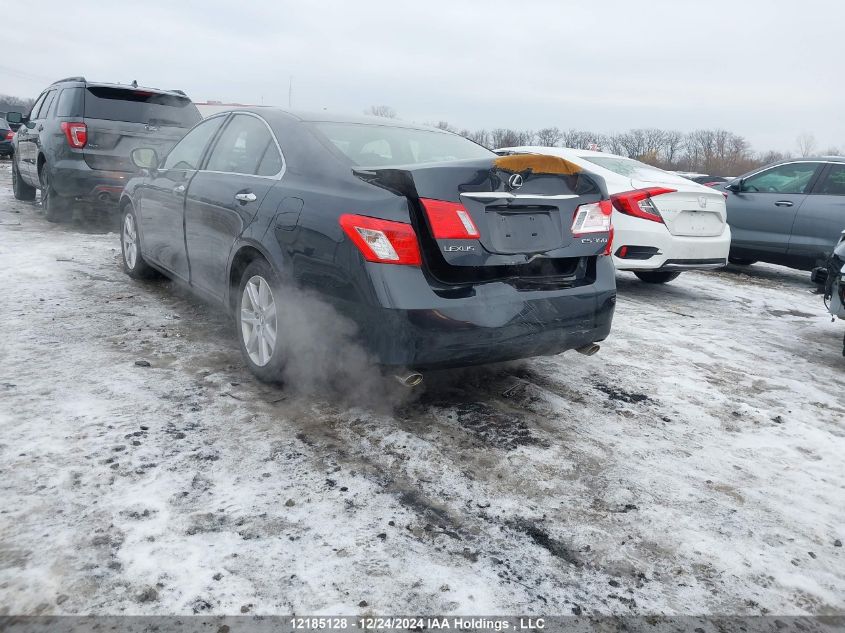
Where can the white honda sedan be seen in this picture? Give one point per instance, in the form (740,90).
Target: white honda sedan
(663,223)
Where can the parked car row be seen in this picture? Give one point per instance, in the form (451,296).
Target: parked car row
(444,253)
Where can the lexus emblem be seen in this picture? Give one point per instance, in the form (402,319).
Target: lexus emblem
(515,181)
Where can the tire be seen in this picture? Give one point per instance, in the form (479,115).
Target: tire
(256,324)
(21,190)
(741,261)
(56,209)
(130,247)
(657,276)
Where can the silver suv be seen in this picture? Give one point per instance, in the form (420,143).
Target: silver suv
(790,213)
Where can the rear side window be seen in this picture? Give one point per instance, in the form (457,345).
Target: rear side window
(246,147)
(70,102)
(833,183)
(139,106)
(45,107)
(33,113)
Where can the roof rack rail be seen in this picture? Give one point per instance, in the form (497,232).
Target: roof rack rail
(80,78)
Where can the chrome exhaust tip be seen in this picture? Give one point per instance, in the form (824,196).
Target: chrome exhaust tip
(410,379)
(588,350)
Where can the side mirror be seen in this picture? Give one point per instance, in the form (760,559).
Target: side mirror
(735,186)
(14,117)
(144,157)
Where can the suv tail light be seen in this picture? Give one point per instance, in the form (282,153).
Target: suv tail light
(638,203)
(76,133)
(449,220)
(592,218)
(382,241)
(9,135)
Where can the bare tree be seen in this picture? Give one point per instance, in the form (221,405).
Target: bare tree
(548,136)
(482,137)
(444,125)
(381,110)
(582,139)
(503,137)
(673,144)
(806,143)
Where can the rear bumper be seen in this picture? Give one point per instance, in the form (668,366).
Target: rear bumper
(73,178)
(6,148)
(674,252)
(407,324)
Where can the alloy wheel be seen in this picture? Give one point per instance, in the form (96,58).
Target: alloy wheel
(130,241)
(258,320)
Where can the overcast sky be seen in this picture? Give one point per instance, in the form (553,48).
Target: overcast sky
(767,69)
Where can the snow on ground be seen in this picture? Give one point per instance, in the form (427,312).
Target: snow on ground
(693,466)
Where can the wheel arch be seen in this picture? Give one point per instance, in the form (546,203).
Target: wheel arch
(243,254)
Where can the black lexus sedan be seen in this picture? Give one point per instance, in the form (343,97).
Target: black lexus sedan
(443,253)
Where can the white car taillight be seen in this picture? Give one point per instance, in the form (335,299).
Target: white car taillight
(638,203)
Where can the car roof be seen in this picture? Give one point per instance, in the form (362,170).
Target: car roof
(275,112)
(81,81)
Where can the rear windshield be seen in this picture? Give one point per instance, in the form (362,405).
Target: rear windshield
(139,106)
(631,168)
(4,125)
(382,145)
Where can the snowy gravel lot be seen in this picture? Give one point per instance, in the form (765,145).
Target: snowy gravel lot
(693,466)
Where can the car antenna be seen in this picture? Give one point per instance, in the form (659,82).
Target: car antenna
(134,83)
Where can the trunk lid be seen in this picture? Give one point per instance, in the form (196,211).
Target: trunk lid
(522,206)
(120,119)
(691,210)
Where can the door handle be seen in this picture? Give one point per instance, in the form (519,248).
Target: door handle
(179,190)
(246,196)
(783,203)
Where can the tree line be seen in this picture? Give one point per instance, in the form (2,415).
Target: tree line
(715,152)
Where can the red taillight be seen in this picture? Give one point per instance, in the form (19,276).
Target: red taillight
(638,203)
(76,133)
(592,218)
(382,241)
(10,135)
(449,220)
(609,248)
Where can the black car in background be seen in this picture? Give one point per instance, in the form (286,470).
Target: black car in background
(443,253)
(75,142)
(6,135)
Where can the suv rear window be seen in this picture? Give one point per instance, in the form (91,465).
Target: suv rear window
(380,145)
(139,106)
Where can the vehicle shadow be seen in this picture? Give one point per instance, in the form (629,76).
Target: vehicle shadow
(768,272)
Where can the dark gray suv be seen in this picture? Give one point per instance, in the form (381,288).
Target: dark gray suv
(75,142)
(790,213)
